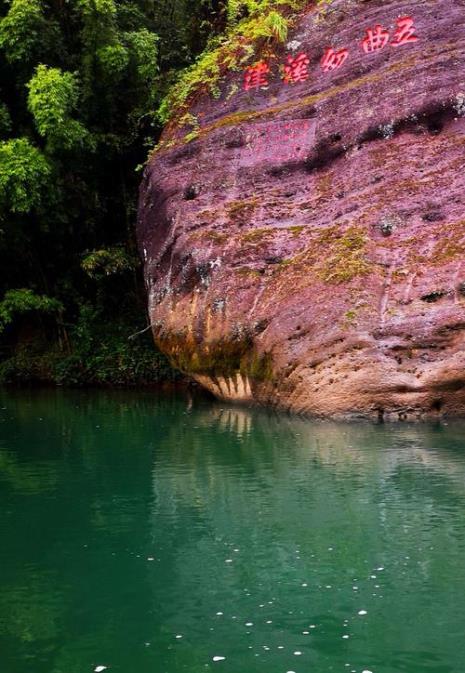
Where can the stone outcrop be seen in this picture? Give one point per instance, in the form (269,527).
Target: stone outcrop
(307,248)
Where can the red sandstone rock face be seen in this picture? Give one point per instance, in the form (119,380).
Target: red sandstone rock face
(307,250)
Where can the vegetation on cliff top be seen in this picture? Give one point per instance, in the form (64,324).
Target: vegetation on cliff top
(249,27)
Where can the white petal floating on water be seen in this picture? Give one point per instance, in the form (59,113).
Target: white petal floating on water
(345,636)
(249,623)
(362,612)
(366,671)
(219,614)
(98,669)
(228,560)
(179,636)
(219,658)
(297,654)
(150,558)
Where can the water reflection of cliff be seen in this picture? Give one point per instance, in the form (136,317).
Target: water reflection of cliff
(262,445)
(313,505)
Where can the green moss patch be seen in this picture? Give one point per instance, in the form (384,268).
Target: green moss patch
(346,259)
(224,358)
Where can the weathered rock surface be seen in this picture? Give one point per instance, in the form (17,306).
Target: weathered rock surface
(307,249)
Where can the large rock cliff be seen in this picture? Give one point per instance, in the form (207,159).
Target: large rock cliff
(305,247)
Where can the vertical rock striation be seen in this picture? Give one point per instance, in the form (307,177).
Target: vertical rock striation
(307,248)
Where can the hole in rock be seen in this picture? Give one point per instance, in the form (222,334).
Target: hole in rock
(433,216)
(437,405)
(191,192)
(433,296)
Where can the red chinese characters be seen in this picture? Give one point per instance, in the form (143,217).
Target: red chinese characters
(375,39)
(378,37)
(333,59)
(405,32)
(296,69)
(256,76)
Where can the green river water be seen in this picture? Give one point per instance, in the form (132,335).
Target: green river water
(151,533)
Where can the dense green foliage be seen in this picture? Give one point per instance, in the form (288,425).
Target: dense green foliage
(85,87)
(80,85)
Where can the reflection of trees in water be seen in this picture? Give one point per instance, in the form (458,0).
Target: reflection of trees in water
(74,469)
(33,610)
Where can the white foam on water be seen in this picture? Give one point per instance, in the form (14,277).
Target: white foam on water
(98,669)
(150,558)
(249,623)
(345,636)
(362,612)
(297,654)
(219,658)
(228,560)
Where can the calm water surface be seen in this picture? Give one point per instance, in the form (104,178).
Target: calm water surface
(150,534)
